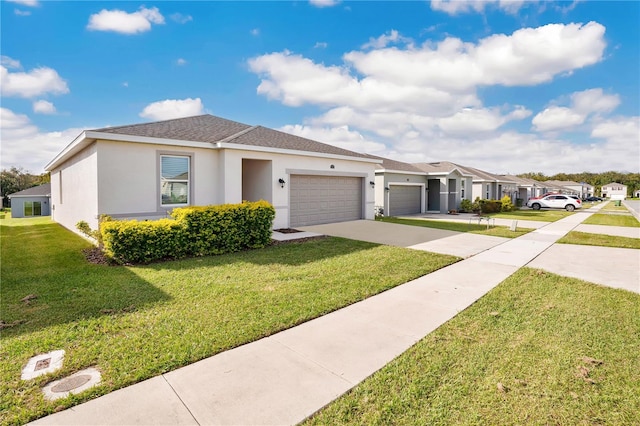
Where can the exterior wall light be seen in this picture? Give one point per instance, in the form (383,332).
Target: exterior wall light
(332,166)
(281,182)
(386,188)
(372,183)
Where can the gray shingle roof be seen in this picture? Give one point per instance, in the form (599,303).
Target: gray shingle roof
(269,138)
(200,128)
(388,164)
(211,129)
(36,191)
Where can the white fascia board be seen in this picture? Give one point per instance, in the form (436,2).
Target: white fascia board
(77,144)
(242,147)
(401,172)
(89,136)
(27,196)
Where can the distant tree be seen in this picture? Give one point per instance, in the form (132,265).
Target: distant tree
(632,180)
(17,179)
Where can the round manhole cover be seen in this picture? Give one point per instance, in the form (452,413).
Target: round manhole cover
(71,383)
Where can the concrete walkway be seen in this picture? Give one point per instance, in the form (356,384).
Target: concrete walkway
(284,378)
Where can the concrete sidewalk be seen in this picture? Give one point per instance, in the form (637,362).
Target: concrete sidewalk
(284,378)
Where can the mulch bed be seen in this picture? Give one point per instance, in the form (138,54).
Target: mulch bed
(287,230)
(95,255)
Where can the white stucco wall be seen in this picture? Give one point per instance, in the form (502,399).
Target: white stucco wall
(74,190)
(129,178)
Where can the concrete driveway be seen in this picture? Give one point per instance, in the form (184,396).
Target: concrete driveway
(391,234)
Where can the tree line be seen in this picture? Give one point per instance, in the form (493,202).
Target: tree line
(18,179)
(632,180)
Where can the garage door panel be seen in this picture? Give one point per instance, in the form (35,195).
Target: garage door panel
(324,199)
(405,200)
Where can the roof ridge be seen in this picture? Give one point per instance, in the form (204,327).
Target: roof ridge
(238,134)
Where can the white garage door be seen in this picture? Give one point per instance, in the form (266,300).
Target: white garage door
(324,199)
(404,200)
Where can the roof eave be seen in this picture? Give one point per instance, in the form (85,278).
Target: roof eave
(242,147)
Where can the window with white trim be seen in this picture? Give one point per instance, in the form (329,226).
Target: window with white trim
(175,174)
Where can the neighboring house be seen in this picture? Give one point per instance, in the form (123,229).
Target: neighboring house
(636,193)
(143,171)
(614,191)
(525,188)
(447,185)
(31,202)
(583,190)
(400,188)
(489,186)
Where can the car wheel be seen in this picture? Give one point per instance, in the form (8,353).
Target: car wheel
(535,206)
(570,207)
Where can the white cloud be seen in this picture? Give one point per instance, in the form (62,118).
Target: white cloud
(181,61)
(10,62)
(43,107)
(255,32)
(29,3)
(583,104)
(392,37)
(22,12)
(173,108)
(594,101)
(180,18)
(36,82)
(24,145)
(623,137)
(324,3)
(454,7)
(341,137)
(123,22)
(320,45)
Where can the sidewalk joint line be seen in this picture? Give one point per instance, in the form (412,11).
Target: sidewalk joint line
(183,403)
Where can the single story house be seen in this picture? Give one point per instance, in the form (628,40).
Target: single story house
(35,201)
(447,185)
(636,193)
(143,171)
(404,189)
(614,191)
(583,190)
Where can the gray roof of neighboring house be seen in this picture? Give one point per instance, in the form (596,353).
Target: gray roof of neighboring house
(43,190)
(211,129)
(522,181)
(438,167)
(447,167)
(393,165)
(614,184)
(564,182)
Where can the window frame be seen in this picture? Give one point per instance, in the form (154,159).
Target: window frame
(189,181)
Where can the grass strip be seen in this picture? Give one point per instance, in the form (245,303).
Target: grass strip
(612,220)
(134,323)
(588,239)
(537,349)
(537,215)
(494,231)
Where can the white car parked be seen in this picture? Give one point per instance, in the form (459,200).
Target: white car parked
(555,201)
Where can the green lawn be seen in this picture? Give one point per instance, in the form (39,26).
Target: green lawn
(588,239)
(137,322)
(612,220)
(539,349)
(547,215)
(474,228)
(610,206)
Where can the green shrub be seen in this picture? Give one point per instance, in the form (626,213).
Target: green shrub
(193,231)
(475,206)
(490,206)
(507,205)
(466,205)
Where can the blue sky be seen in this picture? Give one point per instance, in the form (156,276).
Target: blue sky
(504,86)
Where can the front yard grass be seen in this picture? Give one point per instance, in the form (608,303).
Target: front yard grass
(588,239)
(611,206)
(538,349)
(474,228)
(612,220)
(134,323)
(547,215)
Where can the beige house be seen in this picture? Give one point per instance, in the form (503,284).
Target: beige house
(145,170)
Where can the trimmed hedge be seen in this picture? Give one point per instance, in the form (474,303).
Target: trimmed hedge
(490,206)
(193,231)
